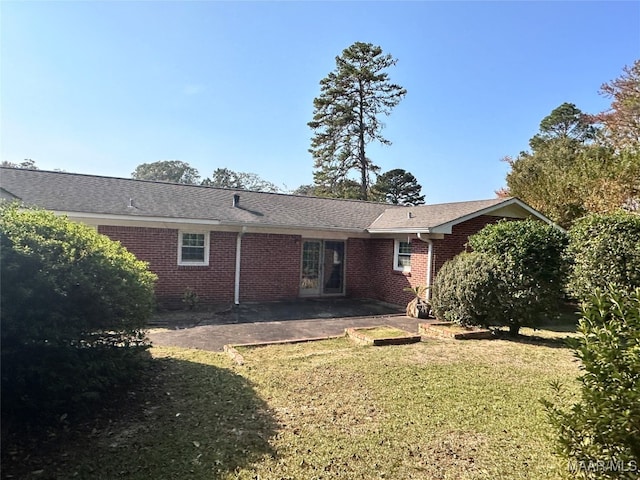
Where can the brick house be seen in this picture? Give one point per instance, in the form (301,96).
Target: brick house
(240,246)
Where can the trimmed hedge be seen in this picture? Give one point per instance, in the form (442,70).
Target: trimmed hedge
(73,307)
(464,291)
(604,249)
(600,434)
(514,277)
(533,249)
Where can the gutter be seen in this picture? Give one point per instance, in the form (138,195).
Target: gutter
(236,287)
(429,242)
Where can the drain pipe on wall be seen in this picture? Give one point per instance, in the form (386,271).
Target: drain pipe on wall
(236,287)
(429,242)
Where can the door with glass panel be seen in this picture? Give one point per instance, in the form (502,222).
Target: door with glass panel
(333,268)
(310,278)
(322,268)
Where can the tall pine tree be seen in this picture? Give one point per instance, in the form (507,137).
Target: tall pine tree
(398,187)
(346,116)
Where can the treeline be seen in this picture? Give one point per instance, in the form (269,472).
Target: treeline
(579,163)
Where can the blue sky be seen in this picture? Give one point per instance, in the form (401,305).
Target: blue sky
(101,87)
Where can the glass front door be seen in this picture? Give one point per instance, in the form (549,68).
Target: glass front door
(310,279)
(333,271)
(322,268)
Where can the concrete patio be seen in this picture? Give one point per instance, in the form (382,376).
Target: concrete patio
(271,322)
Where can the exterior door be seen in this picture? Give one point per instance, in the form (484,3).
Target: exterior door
(333,271)
(322,268)
(311,269)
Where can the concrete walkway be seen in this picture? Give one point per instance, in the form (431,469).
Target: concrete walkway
(214,337)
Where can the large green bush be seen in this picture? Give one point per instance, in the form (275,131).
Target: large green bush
(465,290)
(600,434)
(604,249)
(517,281)
(73,307)
(530,248)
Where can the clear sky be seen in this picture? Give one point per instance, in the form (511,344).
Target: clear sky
(101,87)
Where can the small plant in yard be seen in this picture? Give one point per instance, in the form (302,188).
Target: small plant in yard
(190,298)
(419,307)
(600,434)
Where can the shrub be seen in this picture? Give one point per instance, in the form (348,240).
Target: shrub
(73,306)
(604,249)
(600,433)
(419,307)
(531,263)
(530,248)
(466,290)
(190,298)
(513,278)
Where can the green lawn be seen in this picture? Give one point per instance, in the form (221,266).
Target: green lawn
(441,409)
(382,332)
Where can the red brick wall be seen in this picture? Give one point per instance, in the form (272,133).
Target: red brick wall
(270,267)
(159,247)
(455,243)
(388,284)
(357,278)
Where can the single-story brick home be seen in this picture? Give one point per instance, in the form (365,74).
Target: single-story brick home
(240,246)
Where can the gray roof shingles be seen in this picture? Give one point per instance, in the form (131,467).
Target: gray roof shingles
(67,192)
(78,193)
(429,216)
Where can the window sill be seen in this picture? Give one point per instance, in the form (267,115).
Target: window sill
(400,272)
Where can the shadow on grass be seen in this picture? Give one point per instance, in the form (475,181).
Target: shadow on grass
(564,326)
(556,342)
(567,321)
(187,420)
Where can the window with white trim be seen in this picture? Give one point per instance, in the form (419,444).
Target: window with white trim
(193,248)
(402,256)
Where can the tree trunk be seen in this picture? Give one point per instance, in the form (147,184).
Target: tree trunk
(362,156)
(514,329)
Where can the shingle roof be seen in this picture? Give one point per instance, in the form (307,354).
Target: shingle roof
(68,192)
(426,217)
(126,198)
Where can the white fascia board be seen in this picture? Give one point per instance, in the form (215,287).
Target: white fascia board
(400,231)
(113,219)
(537,214)
(289,228)
(446,228)
(305,232)
(179,223)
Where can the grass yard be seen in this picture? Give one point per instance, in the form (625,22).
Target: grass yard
(383,332)
(440,409)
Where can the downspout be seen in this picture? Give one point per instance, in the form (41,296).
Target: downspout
(429,242)
(236,289)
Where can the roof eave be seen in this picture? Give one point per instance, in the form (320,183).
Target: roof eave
(402,230)
(295,227)
(447,227)
(136,218)
(201,221)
